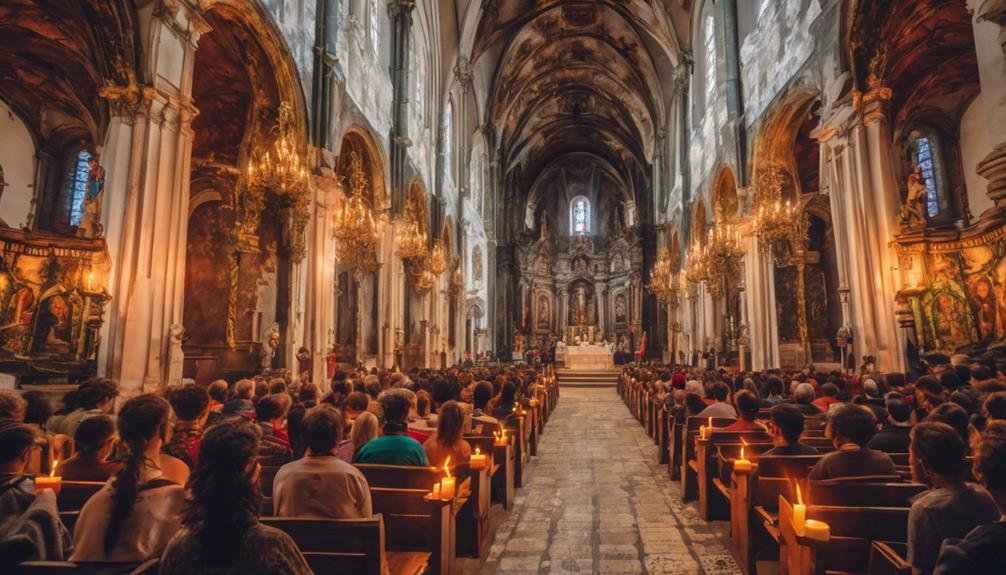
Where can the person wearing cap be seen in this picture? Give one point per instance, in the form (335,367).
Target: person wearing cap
(894,437)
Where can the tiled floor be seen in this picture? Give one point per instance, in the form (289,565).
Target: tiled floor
(595,501)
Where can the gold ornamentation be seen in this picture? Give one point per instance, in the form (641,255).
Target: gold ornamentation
(775,220)
(357,230)
(660,277)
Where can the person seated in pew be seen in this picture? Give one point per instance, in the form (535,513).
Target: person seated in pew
(981,552)
(356,403)
(191,404)
(448,441)
(720,408)
(803,396)
(221,532)
(693,404)
(482,422)
(829,397)
(748,405)
(94,442)
(218,396)
(395,446)
(786,427)
(29,520)
(894,437)
(851,427)
(954,416)
(95,397)
(320,485)
(241,400)
(135,514)
(951,508)
(269,413)
(365,428)
(12,405)
(994,406)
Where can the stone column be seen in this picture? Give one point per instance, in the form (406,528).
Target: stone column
(401,32)
(148,154)
(990,46)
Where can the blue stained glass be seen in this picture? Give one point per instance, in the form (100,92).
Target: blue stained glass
(76,185)
(924,156)
(580,217)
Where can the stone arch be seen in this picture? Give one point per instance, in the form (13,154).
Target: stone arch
(725,202)
(358,139)
(775,148)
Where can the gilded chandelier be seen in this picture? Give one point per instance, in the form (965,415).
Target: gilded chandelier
(696,270)
(410,237)
(357,231)
(775,220)
(282,169)
(724,249)
(660,277)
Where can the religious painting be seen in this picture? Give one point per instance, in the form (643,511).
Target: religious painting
(948,319)
(53,328)
(983,305)
(544,316)
(621,310)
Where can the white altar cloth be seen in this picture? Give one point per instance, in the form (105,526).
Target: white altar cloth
(588,357)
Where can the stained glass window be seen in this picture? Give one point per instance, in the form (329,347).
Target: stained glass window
(580,216)
(709,38)
(75,187)
(925,157)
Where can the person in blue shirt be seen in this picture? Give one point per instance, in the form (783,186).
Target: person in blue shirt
(394,447)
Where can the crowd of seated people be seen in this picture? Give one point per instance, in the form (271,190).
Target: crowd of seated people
(949,423)
(181,470)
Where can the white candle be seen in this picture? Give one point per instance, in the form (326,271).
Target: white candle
(799,512)
(447,488)
(818,530)
(478,459)
(741,464)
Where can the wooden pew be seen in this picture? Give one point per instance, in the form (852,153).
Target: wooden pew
(675,447)
(149,567)
(689,484)
(349,546)
(706,469)
(664,424)
(864,492)
(500,468)
(74,494)
(853,530)
(753,505)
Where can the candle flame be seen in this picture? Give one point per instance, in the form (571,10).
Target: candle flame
(478,451)
(799,496)
(447,468)
(52,471)
(743,443)
(742,451)
(710,422)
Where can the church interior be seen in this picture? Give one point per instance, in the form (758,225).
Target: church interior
(503,286)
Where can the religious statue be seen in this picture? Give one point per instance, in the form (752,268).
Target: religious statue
(176,357)
(913,210)
(271,347)
(94,195)
(304,363)
(518,341)
(53,328)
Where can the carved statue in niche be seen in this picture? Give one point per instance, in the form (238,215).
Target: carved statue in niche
(271,347)
(913,212)
(54,326)
(983,302)
(518,340)
(620,316)
(176,357)
(94,195)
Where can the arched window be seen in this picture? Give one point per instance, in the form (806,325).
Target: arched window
(926,153)
(375,27)
(709,44)
(75,186)
(579,215)
(419,82)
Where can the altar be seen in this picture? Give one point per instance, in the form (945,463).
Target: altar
(589,357)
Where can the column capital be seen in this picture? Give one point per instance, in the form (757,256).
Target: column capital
(396,7)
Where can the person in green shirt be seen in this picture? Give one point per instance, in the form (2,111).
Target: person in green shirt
(394,447)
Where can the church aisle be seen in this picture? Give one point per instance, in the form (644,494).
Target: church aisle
(596,501)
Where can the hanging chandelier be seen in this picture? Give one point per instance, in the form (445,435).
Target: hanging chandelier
(357,230)
(423,277)
(724,249)
(696,270)
(776,220)
(410,237)
(282,168)
(660,277)
(438,258)
(456,283)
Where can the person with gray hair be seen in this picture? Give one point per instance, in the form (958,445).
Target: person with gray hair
(12,405)
(804,395)
(241,400)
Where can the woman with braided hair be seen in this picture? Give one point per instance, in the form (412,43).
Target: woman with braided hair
(136,513)
(222,532)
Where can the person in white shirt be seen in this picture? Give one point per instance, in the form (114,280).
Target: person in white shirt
(320,484)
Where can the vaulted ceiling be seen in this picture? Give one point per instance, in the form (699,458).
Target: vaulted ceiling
(568,82)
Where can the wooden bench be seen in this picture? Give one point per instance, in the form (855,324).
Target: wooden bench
(149,567)
(690,432)
(349,546)
(74,494)
(853,531)
(706,469)
(863,493)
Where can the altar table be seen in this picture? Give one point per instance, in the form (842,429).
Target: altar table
(589,357)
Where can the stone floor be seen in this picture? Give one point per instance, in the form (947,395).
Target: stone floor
(595,501)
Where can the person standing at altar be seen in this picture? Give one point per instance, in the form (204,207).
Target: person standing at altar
(642,348)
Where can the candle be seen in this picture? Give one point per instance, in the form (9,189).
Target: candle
(818,530)
(501,438)
(742,464)
(436,491)
(799,512)
(53,481)
(447,483)
(702,432)
(478,459)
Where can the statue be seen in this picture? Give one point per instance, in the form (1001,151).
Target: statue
(518,341)
(913,210)
(271,347)
(90,221)
(176,357)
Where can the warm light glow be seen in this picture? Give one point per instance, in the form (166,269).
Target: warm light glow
(478,451)
(799,496)
(52,471)
(447,468)
(742,452)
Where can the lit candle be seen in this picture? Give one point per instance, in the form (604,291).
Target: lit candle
(447,483)
(436,491)
(799,512)
(814,529)
(52,481)
(501,438)
(478,459)
(742,464)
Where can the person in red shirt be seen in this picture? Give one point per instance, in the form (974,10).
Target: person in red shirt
(747,404)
